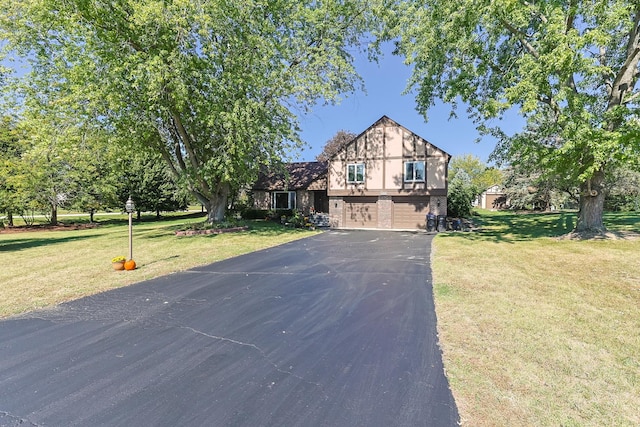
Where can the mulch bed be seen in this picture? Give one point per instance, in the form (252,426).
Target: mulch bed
(47,227)
(210,231)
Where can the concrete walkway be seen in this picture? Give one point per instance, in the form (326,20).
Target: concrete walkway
(334,330)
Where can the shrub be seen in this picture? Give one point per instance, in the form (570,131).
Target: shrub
(255,214)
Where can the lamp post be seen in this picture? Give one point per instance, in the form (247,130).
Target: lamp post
(130,207)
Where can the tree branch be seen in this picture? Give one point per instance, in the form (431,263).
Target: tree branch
(631,98)
(522,37)
(543,17)
(185,138)
(571,16)
(633,34)
(188,146)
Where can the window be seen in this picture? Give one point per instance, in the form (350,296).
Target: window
(355,172)
(283,200)
(414,171)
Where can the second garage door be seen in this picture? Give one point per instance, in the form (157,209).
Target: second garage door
(410,212)
(361,212)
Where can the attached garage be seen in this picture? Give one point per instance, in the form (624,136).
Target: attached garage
(410,212)
(361,212)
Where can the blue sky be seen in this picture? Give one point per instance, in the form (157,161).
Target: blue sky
(385,82)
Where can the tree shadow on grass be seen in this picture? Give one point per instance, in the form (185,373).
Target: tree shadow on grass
(510,227)
(11,245)
(627,221)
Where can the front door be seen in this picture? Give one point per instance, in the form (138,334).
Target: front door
(321,201)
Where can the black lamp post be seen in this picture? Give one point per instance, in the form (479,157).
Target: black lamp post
(130,207)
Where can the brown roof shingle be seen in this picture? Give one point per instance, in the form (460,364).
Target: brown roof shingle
(297,176)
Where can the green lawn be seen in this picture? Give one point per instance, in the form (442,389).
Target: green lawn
(45,268)
(537,330)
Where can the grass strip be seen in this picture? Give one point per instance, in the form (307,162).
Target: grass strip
(538,330)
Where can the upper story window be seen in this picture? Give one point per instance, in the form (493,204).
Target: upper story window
(355,173)
(283,200)
(414,171)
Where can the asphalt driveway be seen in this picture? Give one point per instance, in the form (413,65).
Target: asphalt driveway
(335,330)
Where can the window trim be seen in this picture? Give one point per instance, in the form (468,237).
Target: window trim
(355,167)
(413,178)
(291,200)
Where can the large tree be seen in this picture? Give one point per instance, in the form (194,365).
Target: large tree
(146,178)
(11,149)
(569,66)
(213,86)
(335,144)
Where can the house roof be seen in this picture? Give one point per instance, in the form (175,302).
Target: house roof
(386,120)
(296,176)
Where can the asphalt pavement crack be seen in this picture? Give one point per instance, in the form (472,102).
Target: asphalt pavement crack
(195,331)
(262,354)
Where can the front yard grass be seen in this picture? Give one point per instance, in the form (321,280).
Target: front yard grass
(537,330)
(45,268)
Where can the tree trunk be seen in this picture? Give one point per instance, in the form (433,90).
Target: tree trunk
(216,203)
(91,212)
(591,205)
(216,208)
(54,215)
(10,219)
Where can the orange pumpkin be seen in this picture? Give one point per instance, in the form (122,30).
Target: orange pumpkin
(130,265)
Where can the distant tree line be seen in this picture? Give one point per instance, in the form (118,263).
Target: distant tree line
(46,166)
(530,189)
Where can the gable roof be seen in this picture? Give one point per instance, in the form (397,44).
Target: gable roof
(387,121)
(296,176)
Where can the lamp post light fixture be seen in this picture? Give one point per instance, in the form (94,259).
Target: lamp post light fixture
(130,207)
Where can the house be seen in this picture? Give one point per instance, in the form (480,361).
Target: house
(493,197)
(387,178)
(301,186)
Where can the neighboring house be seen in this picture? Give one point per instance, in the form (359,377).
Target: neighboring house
(388,178)
(493,198)
(301,186)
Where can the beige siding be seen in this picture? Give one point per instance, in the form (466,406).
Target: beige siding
(408,145)
(375,143)
(393,174)
(436,172)
(337,177)
(374,174)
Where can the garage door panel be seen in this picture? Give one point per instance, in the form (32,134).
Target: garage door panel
(361,213)
(410,213)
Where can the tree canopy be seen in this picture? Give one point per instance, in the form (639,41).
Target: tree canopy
(213,86)
(335,144)
(479,175)
(468,178)
(569,66)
